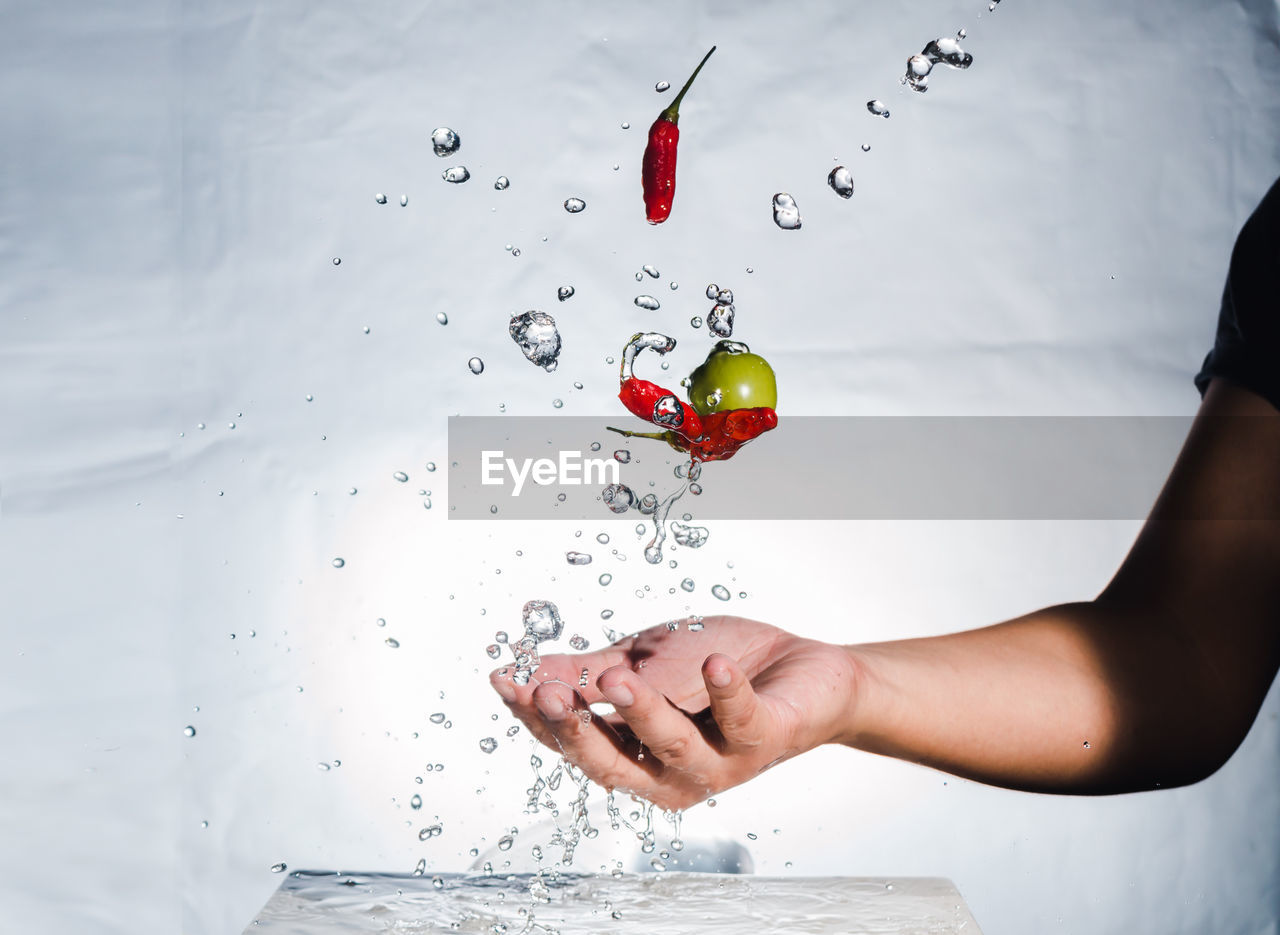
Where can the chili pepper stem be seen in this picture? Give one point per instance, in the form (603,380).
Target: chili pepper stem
(672,113)
(661,436)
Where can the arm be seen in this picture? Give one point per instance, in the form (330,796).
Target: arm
(1162,674)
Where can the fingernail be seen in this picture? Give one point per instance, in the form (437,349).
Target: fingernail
(619,695)
(720,677)
(551,706)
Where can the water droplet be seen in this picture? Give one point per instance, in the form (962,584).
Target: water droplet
(720,592)
(1086,745)
(337,261)
(574,205)
(626,125)
(500,636)
(380,198)
(442,318)
(475,365)
(622,456)
(392,642)
(618,498)
(578,642)
(564,292)
(513,730)
(455,174)
(488,745)
(786,214)
(279,868)
(189,731)
(648,302)
(381,621)
(878,108)
(720,320)
(515,251)
(558,403)
(605,579)
(542,621)
(401,476)
(437,883)
(577,558)
(323,767)
(866,147)
(651,270)
(536,335)
(662,86)
(338,562)
(841,182)
(445,141)
(696,322)
(690,537)
(429,832)
(502,183)
(437,718)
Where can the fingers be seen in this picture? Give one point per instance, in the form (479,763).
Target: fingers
(736,708)
(589,743)
(668,733)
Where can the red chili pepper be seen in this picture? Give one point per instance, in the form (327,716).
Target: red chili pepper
(713,437)
(658,170)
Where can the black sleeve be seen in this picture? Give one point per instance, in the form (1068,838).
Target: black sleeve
(1246,350)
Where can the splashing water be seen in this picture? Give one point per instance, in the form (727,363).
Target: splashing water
(945,50)
(536,335)
(618,498)
(841,182)
(542,621)
(690,537)
(786,213)
(720,321)
(445,141)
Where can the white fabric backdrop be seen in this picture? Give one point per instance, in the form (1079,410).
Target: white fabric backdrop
(1045,233)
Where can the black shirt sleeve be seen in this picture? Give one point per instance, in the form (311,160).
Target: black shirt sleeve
(1246,350)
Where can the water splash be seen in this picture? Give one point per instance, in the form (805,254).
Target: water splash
(720,320)
(542,621)
(445,141)
(841,182)
(944,50)
(536,335)
(786,213)
(618,498)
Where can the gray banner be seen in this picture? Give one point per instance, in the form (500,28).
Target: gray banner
(824,468)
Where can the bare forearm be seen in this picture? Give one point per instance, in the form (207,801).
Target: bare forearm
(1081,698)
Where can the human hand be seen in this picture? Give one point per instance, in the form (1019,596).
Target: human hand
(695,711)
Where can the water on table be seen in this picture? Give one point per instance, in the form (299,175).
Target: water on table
(321,903)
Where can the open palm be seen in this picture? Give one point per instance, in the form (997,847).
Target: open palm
(695,710)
